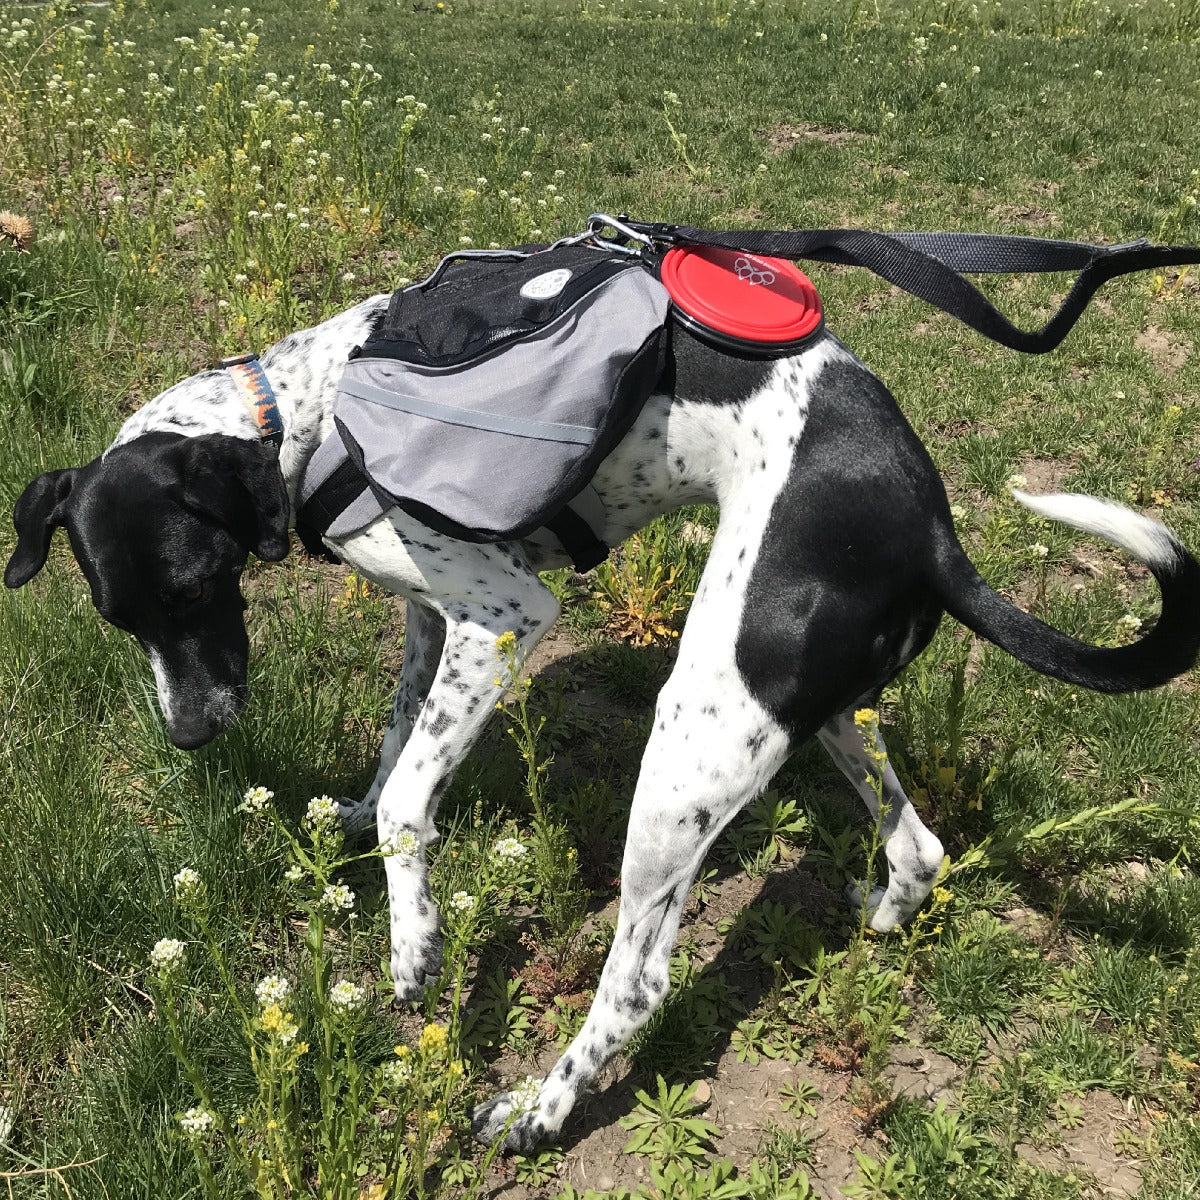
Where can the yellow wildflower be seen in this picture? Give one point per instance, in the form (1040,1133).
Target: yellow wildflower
(433,1038)
(506,643)
(402,1051)
(866,719)
(278,1024)
(942,895)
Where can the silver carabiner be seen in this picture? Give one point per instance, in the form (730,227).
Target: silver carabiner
(599,222)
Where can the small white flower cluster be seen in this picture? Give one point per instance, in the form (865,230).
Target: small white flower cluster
(188,884)
(346,997)
(1129,623)
(294,873)
(322,813)
(509,850)
(337,897)
(404,844)
(525,1095)
(272,989)
(168,956)
(395,1072)
(197,1122)
(1038,550)
(256,799)
(462,902)
(1016,481)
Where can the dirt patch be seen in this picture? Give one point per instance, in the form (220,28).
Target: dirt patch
(1168,351)
(553,648)
(784,137)
(1044,475)
(1019,214)
(917,1073)
(1091,1146)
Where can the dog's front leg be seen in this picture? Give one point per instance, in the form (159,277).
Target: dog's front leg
(914,854)
(462,697)
(424,636)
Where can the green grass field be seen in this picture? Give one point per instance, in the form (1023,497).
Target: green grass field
(203,181)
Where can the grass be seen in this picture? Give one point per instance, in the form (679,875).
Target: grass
(203,182)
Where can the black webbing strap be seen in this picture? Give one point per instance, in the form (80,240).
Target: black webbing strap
(322,508)
(578,539)
(928,266)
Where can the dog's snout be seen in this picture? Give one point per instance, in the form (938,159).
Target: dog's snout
(190,731)
(194,736)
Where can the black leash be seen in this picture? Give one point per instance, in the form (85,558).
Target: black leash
(928,264)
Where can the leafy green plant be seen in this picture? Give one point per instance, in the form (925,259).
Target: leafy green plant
(666,1127)
(769,932)
(640,588)
(891,1178)
(800,1098)
(538,1169)
(769,831)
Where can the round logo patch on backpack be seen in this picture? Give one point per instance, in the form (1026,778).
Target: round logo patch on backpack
(543,287)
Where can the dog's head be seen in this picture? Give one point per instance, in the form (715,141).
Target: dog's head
(161,526)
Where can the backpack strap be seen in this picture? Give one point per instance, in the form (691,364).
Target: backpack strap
(928,265)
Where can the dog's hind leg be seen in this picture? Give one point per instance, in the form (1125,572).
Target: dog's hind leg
(424,636)
(914,854)
(712,750)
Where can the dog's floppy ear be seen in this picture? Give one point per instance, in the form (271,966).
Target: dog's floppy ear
(38,514)
(238,482)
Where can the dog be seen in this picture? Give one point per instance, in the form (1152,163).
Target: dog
(833,561)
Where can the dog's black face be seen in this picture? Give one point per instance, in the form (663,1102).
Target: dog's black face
(161,527)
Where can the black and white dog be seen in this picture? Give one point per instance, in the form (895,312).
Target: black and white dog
(834,559)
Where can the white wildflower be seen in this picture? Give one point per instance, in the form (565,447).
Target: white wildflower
(395,1072)
(462,902)
(256,799)
(168,956)
(337,897)
(1016,481)
(272,989)
(196,1122)
(187,883)
(525,1095)
(322,813)
(509,849)
(1038,550)
(345,997)
(403,843)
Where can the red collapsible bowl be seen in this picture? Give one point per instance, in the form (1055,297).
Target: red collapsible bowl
(743,302)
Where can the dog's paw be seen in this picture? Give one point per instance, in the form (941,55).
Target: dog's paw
(415,966)
(495,1119)
(881,912)
(358,816)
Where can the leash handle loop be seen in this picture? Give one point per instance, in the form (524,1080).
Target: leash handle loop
(928,265)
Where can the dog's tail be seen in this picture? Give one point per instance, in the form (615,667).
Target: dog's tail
(1169,649)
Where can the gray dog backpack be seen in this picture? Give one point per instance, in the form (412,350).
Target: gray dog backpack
(490,393)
